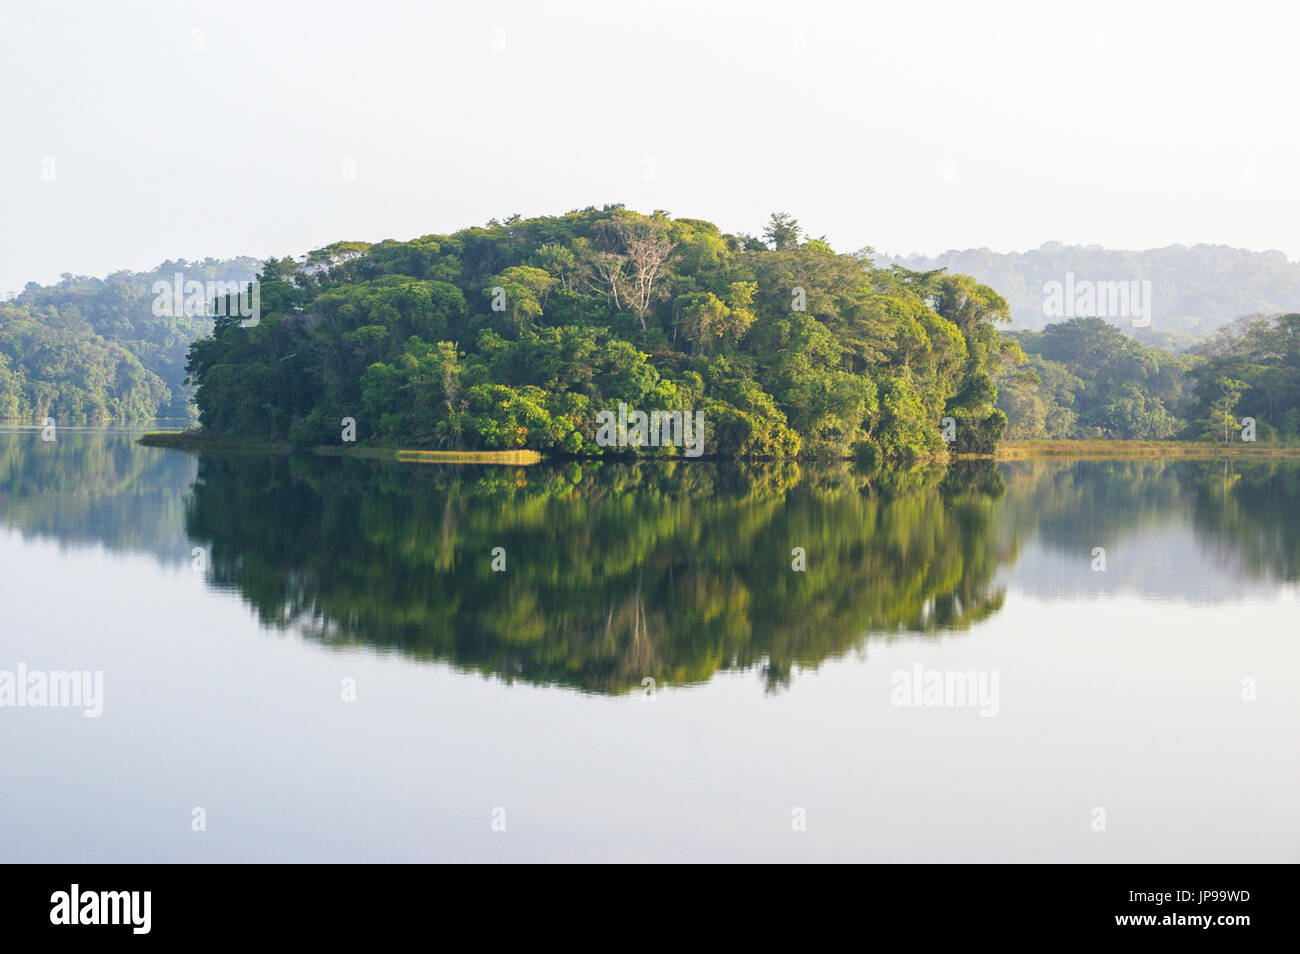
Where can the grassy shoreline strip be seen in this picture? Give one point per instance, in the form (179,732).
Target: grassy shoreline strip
(520,457)
(1028,450)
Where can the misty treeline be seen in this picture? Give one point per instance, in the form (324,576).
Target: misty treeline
(1195,290)
(93,351)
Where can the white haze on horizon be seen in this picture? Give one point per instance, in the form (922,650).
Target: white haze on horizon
(143,131)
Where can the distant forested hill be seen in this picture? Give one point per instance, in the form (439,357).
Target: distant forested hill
(90,350)
(1194,290)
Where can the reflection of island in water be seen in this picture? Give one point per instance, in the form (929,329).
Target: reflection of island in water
(1193,531)
(613,573)
(96,488)
(618,573)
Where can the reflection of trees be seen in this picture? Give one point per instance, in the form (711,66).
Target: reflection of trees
(1253,509)
(1248,510)
(1074,506)
(614,572)
(96,487)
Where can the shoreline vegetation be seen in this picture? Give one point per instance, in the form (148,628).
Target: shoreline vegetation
(1006,451)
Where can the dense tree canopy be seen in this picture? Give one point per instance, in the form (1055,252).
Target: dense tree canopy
(52,364)
(94,351)
(518,333)
(1251,369)
(1085,378)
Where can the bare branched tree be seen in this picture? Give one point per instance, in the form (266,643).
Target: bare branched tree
(609,269)
(647,247)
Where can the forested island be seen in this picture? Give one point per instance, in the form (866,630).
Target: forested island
(518,334)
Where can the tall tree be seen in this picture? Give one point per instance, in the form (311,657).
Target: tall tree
(647,247)
(782,231)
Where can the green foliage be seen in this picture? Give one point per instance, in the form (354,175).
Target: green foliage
(53,364)
(1249,370)
(89,350)
(517,334)
(1086,378)
(782,231)
(905,432)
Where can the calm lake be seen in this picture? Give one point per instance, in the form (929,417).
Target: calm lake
(327,659)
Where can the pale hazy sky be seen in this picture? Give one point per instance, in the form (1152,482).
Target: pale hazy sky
(194,129)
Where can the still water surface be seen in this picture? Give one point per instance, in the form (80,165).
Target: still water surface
(648,678)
